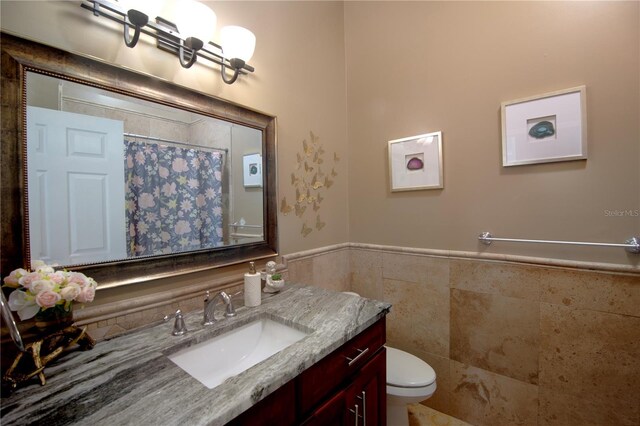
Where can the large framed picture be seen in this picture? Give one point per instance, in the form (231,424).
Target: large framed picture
(416,162)
(252,170)
(545,128)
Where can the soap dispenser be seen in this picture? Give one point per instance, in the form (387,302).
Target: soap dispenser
(252,284)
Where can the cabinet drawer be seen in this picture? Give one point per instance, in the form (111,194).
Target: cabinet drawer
(276,409)
(315,383)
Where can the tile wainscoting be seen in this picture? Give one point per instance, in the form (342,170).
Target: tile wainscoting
(110,321)
(114,319)
(513,340)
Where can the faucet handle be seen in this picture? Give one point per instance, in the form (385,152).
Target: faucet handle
(231,310)
(179,327)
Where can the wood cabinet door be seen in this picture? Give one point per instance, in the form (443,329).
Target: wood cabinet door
(366,397)
(362,403)
(327,393)
(332,412)
(277,409)
(335,370)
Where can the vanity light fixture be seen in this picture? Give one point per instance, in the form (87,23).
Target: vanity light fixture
(197,24)
(138,13)
(188,37)
(238,45)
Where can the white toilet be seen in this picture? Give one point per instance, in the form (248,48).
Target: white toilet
(409,380)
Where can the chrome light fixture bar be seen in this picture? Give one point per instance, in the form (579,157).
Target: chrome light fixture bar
(168,38)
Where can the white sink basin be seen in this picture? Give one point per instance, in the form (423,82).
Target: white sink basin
(215,360)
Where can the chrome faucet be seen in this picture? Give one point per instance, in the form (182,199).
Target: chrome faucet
(210,307)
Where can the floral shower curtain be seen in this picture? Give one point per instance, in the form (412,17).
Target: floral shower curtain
(173,199)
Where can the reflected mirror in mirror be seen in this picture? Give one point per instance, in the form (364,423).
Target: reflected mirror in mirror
(114,177)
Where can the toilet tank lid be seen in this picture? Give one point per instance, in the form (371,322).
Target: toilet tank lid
(406,370)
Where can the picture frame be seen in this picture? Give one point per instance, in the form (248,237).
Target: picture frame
(545,128)
(252,170)
(415,163)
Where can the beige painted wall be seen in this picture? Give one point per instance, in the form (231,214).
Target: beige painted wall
(411,68)
(299,78)
(418,67)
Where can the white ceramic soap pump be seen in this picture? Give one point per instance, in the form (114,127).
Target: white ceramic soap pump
(252,284)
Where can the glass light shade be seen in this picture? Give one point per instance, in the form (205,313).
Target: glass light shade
(195,19)
(237,42)
(151,8)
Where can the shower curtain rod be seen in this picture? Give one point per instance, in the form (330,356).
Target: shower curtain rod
(152,138)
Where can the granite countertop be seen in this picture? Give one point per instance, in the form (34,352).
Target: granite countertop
(130,380)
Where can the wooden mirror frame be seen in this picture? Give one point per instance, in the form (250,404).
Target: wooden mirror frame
(18,57)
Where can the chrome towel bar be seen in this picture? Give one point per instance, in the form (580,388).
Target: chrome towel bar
(632,245)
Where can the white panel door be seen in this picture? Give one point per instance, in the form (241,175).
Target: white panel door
(75,173)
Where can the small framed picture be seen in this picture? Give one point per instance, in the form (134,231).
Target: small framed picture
(545,128)
(252,170)
(416,162)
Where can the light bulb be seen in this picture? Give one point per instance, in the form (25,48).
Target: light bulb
(195,19)
(237,43)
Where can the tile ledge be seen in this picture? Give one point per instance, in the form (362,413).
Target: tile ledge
(453,254)
(90,314)
(301,255)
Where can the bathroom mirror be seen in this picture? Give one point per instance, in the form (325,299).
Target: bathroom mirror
(125,176)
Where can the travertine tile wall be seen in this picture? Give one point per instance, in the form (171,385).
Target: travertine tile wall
(511,343)
(328,269)
(116,325)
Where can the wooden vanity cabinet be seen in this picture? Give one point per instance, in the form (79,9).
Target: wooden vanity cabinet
(367,396)
(364,399)
(348,382)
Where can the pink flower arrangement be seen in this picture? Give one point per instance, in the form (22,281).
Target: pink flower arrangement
(44,288)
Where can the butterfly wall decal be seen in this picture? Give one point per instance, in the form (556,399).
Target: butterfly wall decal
(308,149)
(300,197)
(305,230)
(300,209)
(285,208)
(313,137)
(328,182)
(308,179)
(295,180)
